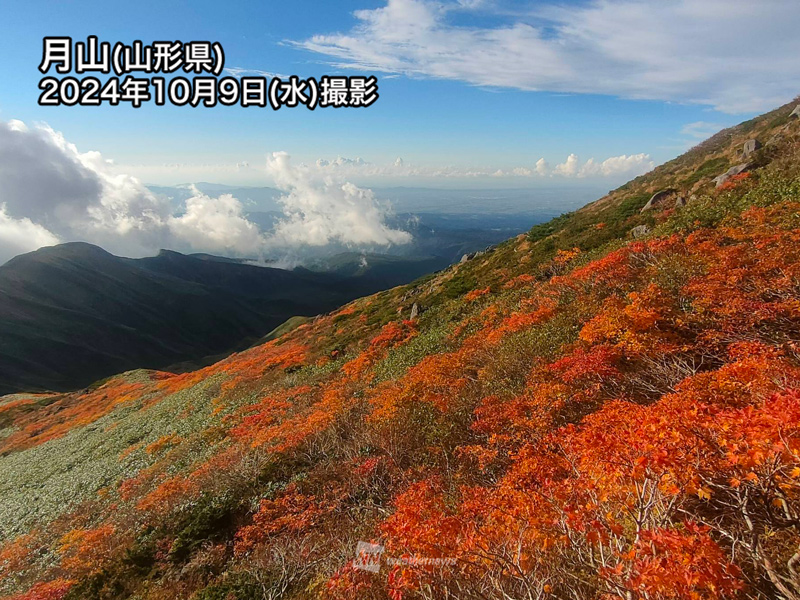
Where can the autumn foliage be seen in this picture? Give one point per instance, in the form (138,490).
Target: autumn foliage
(617,424)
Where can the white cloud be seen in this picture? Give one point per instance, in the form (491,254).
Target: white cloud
(569,168)
(735,55)
(341,161)
(53,192)
(21,235)
(614,167)
(321,209)
(635,164)
(217,225)
(74,195)
(694,133)
(542,168)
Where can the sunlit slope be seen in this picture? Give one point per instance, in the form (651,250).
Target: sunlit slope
(574,413)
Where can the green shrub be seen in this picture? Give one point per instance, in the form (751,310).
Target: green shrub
(240,586)
(209,519)
(710,168)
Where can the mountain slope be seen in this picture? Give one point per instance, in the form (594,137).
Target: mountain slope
(571,414)
(390,270)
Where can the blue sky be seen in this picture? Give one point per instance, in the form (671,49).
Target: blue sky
(465,121)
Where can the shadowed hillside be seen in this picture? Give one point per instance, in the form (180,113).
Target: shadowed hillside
(73,313)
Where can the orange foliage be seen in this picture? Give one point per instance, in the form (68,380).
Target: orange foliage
(56,419)
(164,497)
(733,181)
(85,552)
(291,513)
(171,439)
(475,294)
(15,553)
(609,493)
(520,281)
(677,564)
(565,256)
(391,335)
(640,323)
(537,312)
(242,368)
(51,590)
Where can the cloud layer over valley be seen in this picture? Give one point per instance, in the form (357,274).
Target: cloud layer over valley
(51,193)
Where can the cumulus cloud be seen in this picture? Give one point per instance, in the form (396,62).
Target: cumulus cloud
(70,195)
(53,193)
(322,209)
(42,176)
(635,164)
(569,168)
(736,56)
(542,168)
(217,225)
(21,235)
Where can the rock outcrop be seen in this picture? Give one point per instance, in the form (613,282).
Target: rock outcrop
(640,230)
(472,255)
(414,311)
(749,147)
(734,170)
(657,199)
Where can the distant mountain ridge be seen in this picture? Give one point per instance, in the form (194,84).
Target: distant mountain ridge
(74,313)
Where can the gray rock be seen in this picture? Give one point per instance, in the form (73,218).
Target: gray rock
(414,311)
(740,168)
(464,258)
(680,202)
(720,179)
(795,114)
(749,147)
(734,170)
(640,230)
(656,199)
